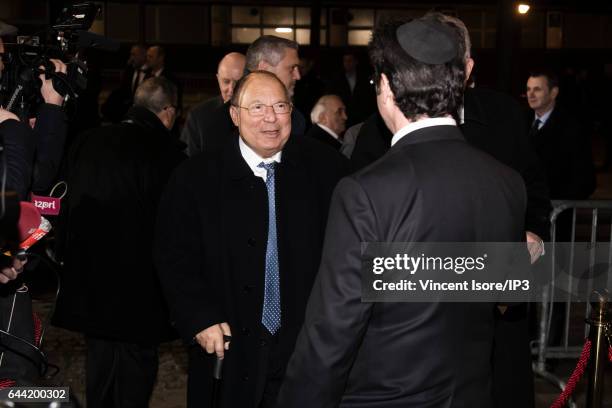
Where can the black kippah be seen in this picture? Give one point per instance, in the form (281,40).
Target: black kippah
(428,41)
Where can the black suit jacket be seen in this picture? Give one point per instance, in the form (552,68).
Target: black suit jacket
(195,126)
(361,102)
(121,99)
(211,249)
(318,133)
(564,148)
(495,124)
(430,187)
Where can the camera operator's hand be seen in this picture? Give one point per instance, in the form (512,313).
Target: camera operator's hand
(6,115)
(10,273)
(47,91)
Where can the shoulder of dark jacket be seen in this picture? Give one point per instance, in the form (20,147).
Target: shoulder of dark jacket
(486,105)
(305,150)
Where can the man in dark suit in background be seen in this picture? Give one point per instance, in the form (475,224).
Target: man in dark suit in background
(120,100)
(238,245)
(229,71)
(354,87)
(328,117)
(134,74)
(561,143)
(431,186)
(156,67)
(110,290)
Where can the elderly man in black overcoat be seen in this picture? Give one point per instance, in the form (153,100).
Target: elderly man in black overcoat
(238,245)
(110,290)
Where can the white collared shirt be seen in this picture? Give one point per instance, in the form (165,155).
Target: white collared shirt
(328,130)
(253,159)
(351,78)
(543,118)
(420,124)
(461,114)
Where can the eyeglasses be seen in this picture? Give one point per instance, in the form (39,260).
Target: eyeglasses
(259,109)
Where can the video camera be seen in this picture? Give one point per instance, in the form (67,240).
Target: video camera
(65,40)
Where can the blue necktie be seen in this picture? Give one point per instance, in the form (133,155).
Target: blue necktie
(271,316)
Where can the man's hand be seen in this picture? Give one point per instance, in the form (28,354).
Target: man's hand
(47,91)
(212,339)
(8,274)
(534,245)
(6,115)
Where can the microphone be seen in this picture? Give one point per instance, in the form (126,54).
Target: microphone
(31,227)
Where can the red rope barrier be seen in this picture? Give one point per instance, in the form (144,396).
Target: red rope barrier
(37,329)
(576,375)
(6,383)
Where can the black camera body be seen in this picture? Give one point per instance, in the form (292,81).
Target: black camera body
(20,85)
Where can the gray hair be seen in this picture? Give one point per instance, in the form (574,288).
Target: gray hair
(268,48)
(155,94)
(320,107)
(465,43)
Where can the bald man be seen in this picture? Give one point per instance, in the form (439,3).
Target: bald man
(229,71)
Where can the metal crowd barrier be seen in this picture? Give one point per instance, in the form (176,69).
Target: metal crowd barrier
(600,230)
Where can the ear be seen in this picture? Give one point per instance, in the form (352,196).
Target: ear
(235,115)
(164,118)
(385,89)
(469,66)
(554,92)
(263,66)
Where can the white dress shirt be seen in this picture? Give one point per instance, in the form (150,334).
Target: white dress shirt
(328,130)
(543,118)
(420,124)
(253,159)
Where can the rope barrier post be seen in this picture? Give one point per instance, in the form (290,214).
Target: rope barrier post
(597,335)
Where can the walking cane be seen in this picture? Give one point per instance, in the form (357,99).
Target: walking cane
(217,377)
(218,368)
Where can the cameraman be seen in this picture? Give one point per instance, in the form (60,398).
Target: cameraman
(18,147)
(33,158)
(29,161)
(50,130)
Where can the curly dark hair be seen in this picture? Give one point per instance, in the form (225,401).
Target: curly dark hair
(420,89)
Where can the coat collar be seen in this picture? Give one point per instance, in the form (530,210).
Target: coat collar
(429,134)
(473,110)
(238,168)
(144,117)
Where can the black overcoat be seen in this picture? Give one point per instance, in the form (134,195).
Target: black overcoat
(318,133)
(211,247)
(116,175)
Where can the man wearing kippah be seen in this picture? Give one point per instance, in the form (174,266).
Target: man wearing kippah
(431,186)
